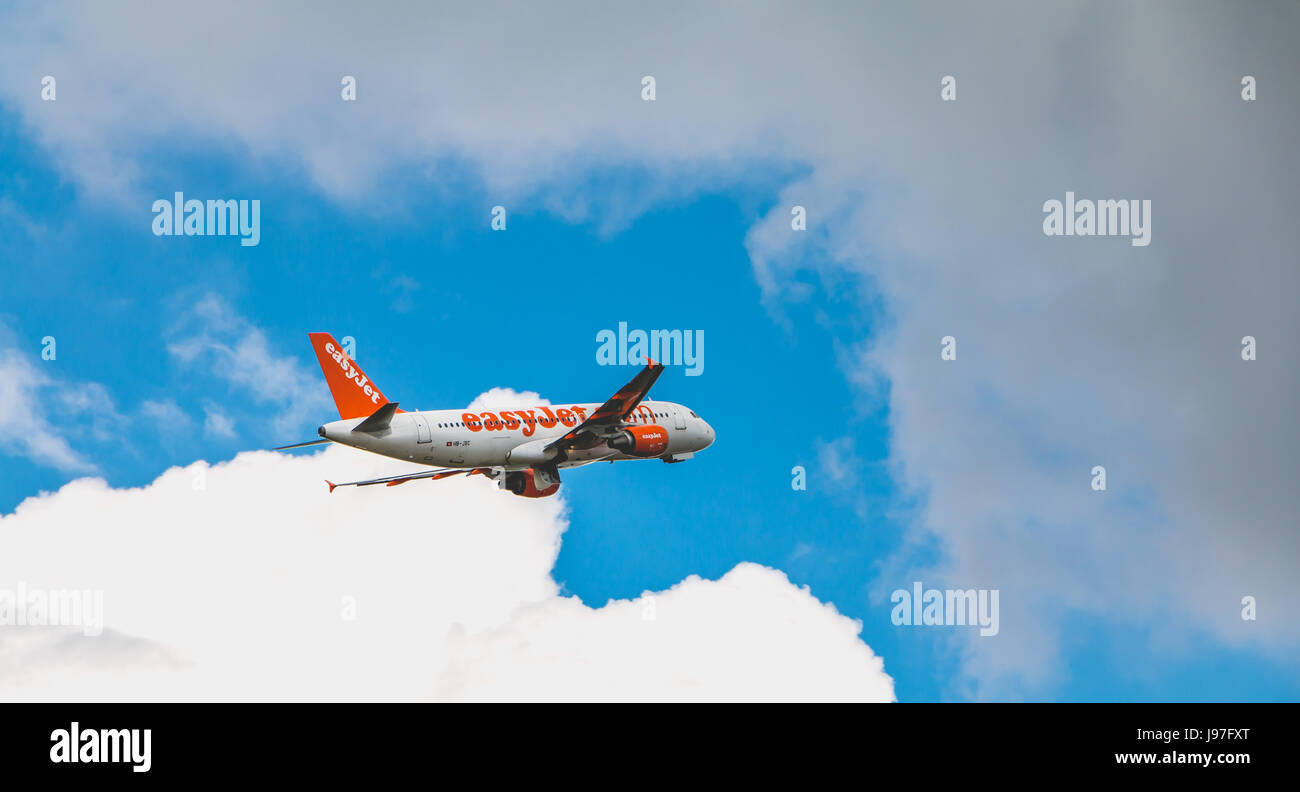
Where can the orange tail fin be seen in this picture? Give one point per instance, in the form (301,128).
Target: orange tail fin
(354,394)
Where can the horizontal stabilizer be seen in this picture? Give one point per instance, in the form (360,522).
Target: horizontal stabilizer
(300,445)
(378,420)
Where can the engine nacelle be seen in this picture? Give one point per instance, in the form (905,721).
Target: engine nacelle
(524,484)
(533,453)
(642,441)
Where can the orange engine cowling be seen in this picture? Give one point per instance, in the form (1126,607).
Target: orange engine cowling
(642,441)
(523,483)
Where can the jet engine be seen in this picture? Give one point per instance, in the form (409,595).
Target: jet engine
(524,484)
(642,441)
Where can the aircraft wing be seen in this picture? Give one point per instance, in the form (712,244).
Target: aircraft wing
(612,412)
(393,481)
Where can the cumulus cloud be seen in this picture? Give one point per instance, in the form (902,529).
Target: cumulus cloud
(506,397)
(1072,352)
(247,580)
(749,635)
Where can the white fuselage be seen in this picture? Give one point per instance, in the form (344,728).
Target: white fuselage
(487,437)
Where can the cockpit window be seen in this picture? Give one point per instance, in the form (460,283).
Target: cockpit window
(693,415)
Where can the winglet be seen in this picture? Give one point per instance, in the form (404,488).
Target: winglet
(332,484)
(618,406)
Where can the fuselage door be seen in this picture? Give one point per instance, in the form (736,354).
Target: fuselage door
(680,415)
(421,428)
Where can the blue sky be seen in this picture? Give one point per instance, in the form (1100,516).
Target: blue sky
(521,309)
(923,218)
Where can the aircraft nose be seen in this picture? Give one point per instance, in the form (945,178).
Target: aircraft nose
(708,434)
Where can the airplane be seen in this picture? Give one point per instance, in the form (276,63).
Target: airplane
(523,450)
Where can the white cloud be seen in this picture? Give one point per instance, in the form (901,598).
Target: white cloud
(506,397)
(838,460)
(166,417)
(24,427)
(215,339)
(231,582)
(217,424)
(751,635)
(92,402)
